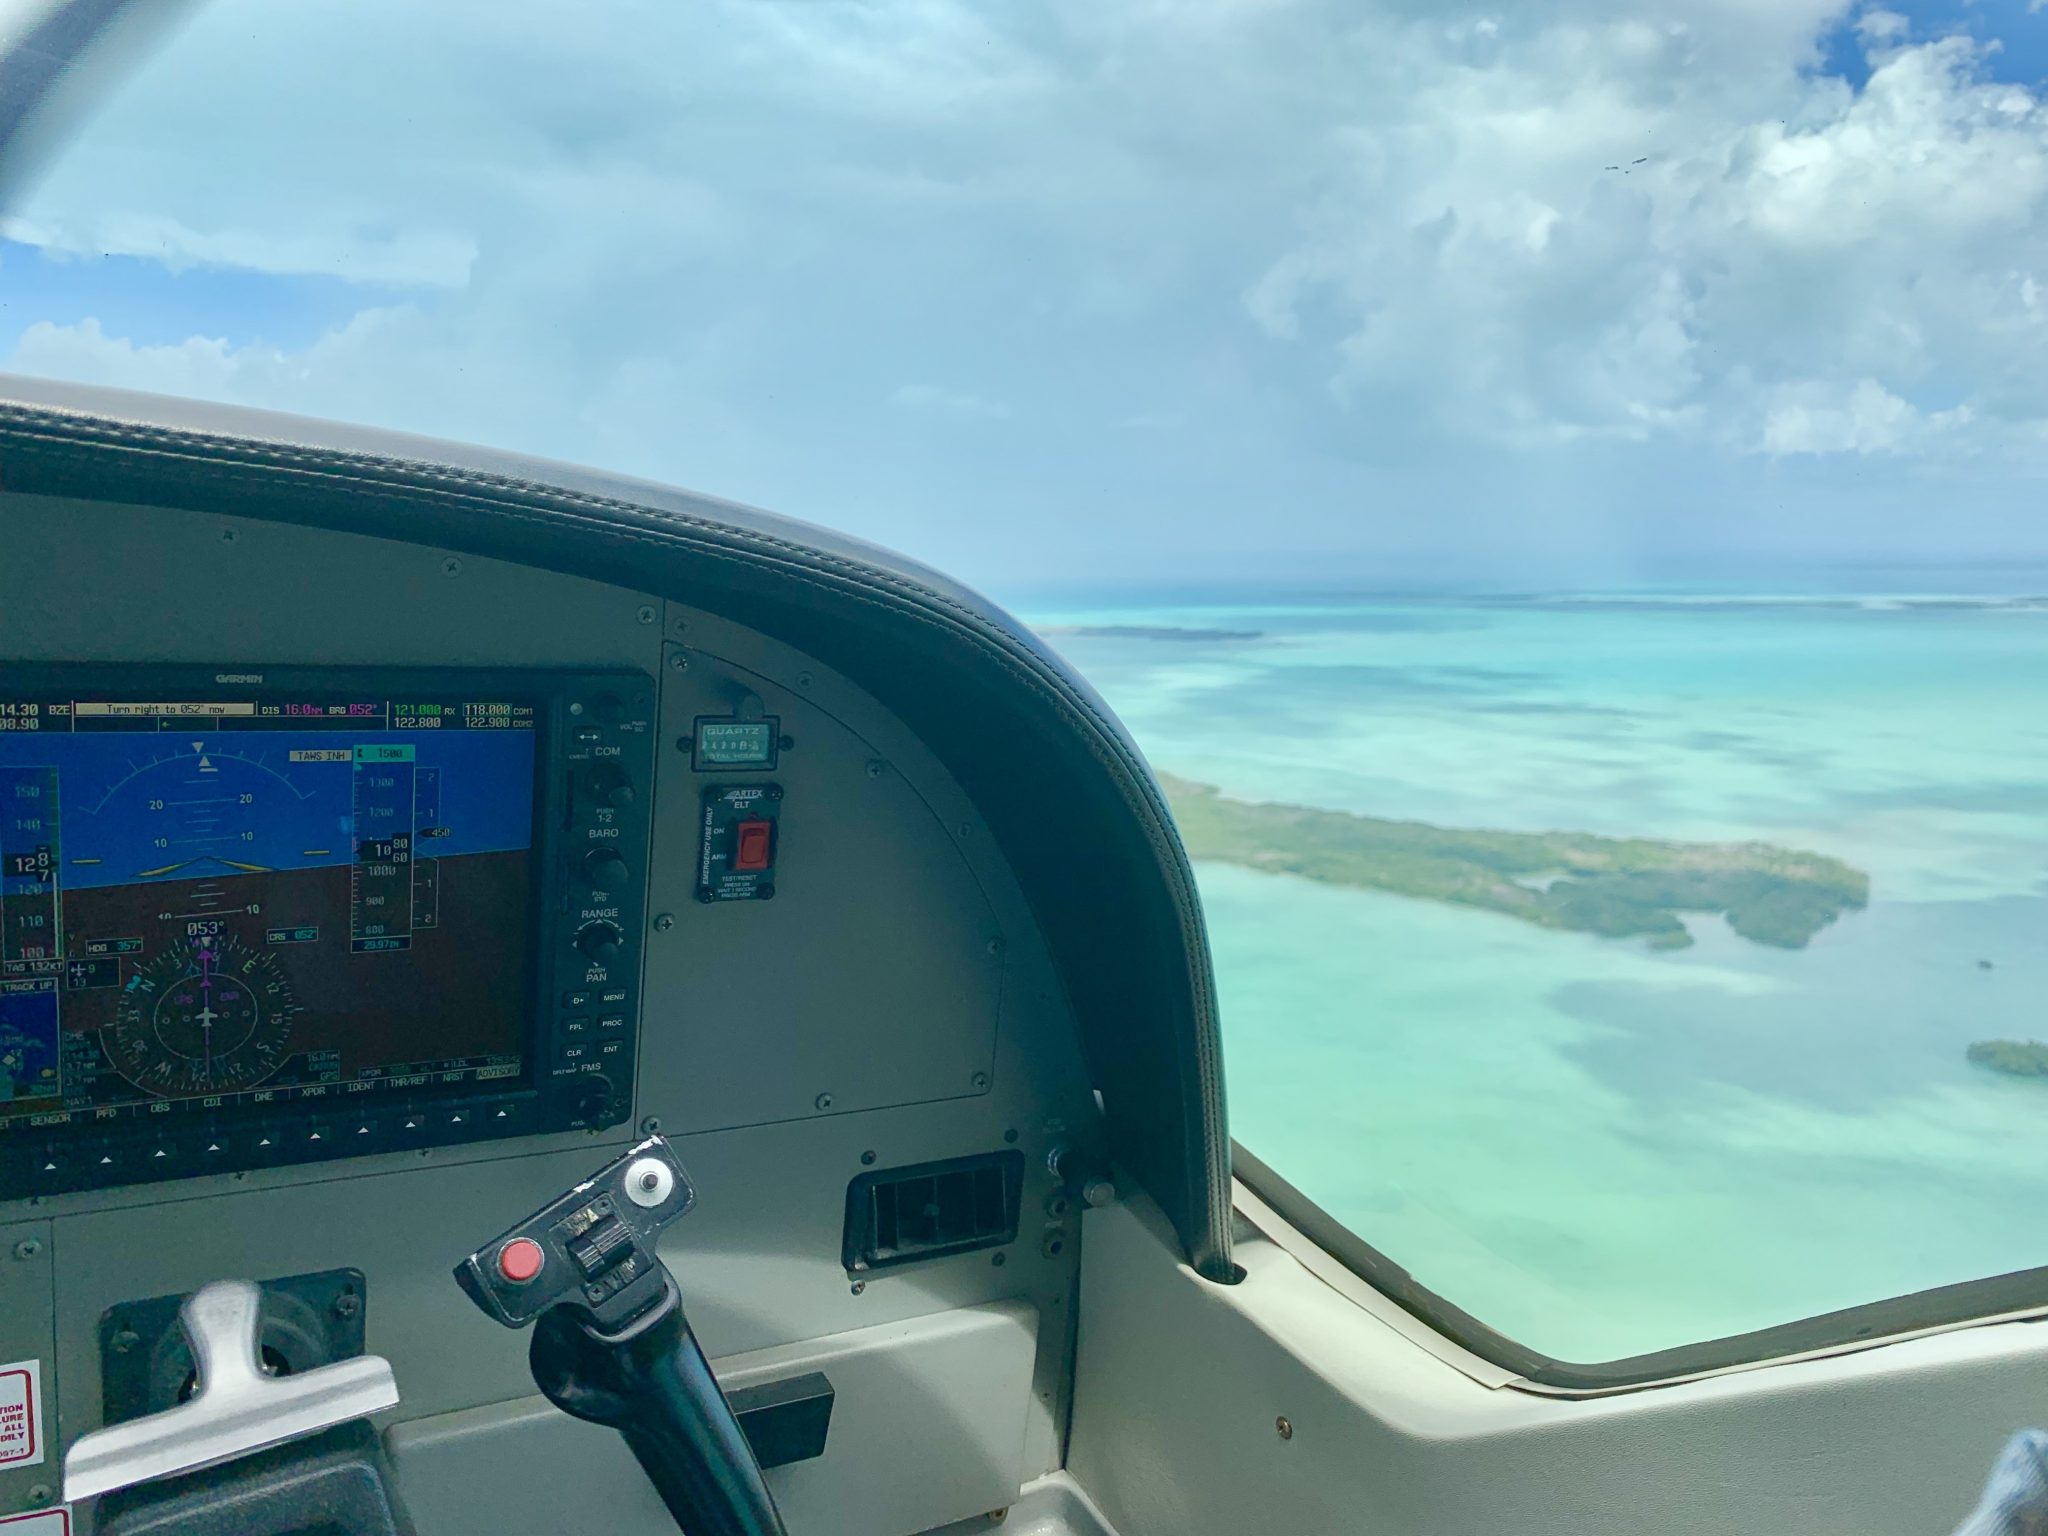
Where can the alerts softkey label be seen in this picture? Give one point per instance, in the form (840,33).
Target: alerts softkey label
(21,1394)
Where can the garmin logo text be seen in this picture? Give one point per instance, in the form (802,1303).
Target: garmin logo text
(238,677)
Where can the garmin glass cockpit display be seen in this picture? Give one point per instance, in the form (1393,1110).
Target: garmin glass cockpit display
(269,915)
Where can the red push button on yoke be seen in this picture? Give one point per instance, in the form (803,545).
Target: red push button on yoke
(520,1260)
(751,850)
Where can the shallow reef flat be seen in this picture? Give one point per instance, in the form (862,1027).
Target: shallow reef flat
(1632,887)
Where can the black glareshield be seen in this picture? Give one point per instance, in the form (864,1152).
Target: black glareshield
(613,1346)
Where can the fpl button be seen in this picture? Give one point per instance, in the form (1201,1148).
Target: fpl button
(520,1260)
(751,851)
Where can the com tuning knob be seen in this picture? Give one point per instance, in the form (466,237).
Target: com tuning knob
(608,784)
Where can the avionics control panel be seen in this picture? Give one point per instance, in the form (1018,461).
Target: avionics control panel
(253,916)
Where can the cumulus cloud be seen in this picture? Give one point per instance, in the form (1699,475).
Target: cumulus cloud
(1577,266)
(1687,266)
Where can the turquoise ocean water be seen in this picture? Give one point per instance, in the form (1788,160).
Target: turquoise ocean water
(1598,1148)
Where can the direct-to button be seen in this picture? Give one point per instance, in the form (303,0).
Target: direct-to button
(521,1259)
(575,999)
(753,844)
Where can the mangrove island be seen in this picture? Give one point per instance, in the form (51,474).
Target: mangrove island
(1618,887)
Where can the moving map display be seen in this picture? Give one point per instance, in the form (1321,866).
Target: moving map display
(258,898)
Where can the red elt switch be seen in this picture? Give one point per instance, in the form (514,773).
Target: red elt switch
(520,1260)
(750,853)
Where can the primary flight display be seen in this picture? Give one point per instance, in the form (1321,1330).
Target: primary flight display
(261,897)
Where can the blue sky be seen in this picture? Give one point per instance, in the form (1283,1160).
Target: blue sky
(1586,291)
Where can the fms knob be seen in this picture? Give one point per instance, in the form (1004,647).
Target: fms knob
(605,869)
(594,1100)
(600,942)
(608,785)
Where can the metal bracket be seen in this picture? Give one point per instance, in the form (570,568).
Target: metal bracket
(235,1409)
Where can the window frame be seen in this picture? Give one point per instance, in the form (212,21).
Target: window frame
(2021,1295)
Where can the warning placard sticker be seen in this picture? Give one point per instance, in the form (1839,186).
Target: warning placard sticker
(21,1413)
(44,1522)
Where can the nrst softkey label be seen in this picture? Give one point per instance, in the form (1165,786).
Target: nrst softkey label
(21,1395)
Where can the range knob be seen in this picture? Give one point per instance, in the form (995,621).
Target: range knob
(605,869)
(608,785)
(595,1100)
(599,942)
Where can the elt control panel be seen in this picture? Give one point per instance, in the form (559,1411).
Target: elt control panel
(254,916)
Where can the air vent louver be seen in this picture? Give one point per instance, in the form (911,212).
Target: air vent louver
(929,1210)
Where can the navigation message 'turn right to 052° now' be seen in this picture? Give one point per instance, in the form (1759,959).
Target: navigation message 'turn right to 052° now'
(263,897)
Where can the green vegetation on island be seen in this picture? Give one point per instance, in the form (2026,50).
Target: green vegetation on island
(1614,886)
(2015,1058)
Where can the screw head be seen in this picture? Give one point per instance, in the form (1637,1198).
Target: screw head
(451,566)
(679,662)
(1000,1259)
(41,1493)
(28,1247)
(822,1101)
(876,768)
(1284,1427)
(867,1159)
(980,1081)
(651,1126)
(804,680)
(646,613)
(347,1305)
(663,923)
(858,1286)
(229,535)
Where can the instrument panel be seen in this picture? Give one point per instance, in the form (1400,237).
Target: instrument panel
(253,916)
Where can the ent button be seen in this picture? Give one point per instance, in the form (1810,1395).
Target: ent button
(520,1260)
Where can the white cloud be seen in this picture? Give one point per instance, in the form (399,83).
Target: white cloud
(1440,253)
(1865,418)
(1587,241)
(203,367)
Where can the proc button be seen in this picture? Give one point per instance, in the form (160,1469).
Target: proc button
(520,1260)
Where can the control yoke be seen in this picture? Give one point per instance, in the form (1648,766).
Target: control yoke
(612,1345)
